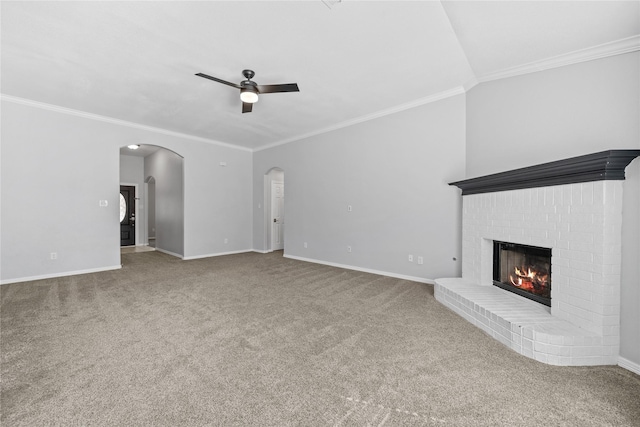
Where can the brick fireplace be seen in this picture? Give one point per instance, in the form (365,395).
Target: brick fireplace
(574,208)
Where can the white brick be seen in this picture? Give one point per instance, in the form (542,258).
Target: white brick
(587,193)
(576,195)
(581,223)
(540,357)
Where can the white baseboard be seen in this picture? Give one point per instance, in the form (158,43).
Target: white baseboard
(63,274)
(217,254)
(164,251)
(260,251)
(365,270)
(629,365)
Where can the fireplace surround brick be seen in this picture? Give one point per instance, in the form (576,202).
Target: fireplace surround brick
(581,223)
(572,206)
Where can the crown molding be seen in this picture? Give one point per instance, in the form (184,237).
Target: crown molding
(398,108)
(97,117)
(618,47)
(470,84)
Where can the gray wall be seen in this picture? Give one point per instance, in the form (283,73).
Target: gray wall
(151,209)
(55,170)
(630,292)
(566,112)
(56,167)
(217,200)
(132,172)
(167,168)
(394,172)
(554,114)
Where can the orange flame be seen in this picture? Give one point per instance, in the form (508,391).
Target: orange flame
(525,278)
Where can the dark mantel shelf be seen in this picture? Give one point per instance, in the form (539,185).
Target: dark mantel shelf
(606,165)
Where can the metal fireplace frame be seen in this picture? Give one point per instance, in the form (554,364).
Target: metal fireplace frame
(533,250)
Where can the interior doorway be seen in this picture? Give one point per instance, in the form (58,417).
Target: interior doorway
(277,214)
(274,210)
(158,175)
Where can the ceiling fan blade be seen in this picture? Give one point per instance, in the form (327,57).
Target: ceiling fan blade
(218,80)
(287,87)
(246,107)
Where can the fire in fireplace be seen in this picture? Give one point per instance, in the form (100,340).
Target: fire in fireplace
(524,270)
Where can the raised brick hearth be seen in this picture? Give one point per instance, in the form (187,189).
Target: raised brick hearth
(581,223)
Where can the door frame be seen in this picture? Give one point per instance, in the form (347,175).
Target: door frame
(136,206)
(266,207)
(274,182)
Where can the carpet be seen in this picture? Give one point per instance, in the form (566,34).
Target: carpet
(261,340)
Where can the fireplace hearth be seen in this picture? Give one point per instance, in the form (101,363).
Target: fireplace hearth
(524,270)
(573,207)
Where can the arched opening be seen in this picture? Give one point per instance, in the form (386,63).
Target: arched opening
(158,176)
(274,212)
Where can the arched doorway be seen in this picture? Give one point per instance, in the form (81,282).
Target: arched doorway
(158,175)
(274,194)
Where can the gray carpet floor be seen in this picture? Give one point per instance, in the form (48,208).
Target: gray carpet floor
(260,340)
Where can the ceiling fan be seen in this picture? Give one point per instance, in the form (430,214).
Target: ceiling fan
(249,90)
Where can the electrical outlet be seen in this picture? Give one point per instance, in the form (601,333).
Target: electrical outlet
(54,255)
(348,248)
(420,260)
(305,245)
(410,258)
(226,240)
(349,208)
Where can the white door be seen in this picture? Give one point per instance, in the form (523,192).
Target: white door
(277,215)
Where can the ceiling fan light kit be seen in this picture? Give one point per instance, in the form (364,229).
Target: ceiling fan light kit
(249,94)
(249,90)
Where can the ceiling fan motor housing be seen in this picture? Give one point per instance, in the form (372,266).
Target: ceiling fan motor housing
(249,83)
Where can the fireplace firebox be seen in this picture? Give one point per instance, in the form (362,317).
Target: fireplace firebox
(524,270)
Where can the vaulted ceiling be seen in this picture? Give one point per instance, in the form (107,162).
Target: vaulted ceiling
(353,60)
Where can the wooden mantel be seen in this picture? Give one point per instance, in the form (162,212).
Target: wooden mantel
(605,165)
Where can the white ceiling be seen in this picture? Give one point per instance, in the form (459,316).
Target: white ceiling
(135,61)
